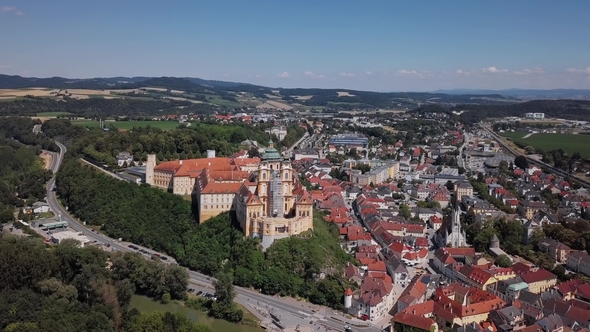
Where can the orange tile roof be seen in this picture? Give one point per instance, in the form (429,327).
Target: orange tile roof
(221,188)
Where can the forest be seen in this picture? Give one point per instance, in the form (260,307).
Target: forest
(67,288)
(183,143)
(163,222)
(22,173)
(99,107)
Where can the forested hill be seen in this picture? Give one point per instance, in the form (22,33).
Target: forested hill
(564,109)
(243,94)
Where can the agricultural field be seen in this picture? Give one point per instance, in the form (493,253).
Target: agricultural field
(127,125)
(51,114)
(569,143)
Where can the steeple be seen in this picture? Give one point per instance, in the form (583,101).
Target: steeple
(271,144)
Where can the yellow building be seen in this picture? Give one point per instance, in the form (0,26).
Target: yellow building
(539,281)
(212,181)
(273,205)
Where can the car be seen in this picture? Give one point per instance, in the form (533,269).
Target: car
(199,292)
(208,278)
(191,290)
(163,258)
(130,246)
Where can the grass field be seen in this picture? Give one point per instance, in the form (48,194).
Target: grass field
(569,143)
(51,114)
(165,125)
(514,135)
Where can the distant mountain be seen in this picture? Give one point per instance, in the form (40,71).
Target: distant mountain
(19,82)
(526,94)
(244,94)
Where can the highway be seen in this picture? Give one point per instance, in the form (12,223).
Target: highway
(299,312)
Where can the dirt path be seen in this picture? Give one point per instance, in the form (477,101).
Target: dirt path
(47,159)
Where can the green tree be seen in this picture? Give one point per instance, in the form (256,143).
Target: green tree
(224,288)
(404,211)
(503,261)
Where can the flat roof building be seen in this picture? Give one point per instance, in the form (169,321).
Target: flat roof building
(60,236)
(350,140)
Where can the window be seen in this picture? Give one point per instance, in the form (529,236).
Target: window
(264,176)
(286,176)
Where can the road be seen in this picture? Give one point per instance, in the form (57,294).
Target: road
(299,312)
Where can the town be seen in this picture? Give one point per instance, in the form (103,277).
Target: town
(448,228)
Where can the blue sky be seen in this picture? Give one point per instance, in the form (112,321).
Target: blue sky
(369,45)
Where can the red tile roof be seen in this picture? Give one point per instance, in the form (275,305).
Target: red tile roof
(539,275)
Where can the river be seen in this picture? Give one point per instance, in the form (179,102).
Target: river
(145,304)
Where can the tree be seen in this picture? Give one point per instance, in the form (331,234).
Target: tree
(404,211)
(503,166)
(521,162)
(224,288)
(503,261)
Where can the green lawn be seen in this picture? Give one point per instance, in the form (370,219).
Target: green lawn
(569,143)
(52,114)
(165,125)
(513,135)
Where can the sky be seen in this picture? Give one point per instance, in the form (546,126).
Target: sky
(366,45)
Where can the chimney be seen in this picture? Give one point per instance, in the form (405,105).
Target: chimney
(181,161)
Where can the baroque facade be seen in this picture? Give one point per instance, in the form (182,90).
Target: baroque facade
(272,204)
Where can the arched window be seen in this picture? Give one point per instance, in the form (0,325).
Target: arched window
(286,175)
(264,176)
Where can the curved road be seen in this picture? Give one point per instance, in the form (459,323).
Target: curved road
(300,310)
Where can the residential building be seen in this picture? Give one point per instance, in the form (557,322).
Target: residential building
(374,299)
(539,281)
(579,262)
(463,188)
(528,208)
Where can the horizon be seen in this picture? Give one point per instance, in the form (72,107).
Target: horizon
(467,90)
(376,46)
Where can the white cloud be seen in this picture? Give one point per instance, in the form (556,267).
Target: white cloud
(369,72)
(345,74)
(7,9)
(494,70)
(579,71)
(461,72)
(404,72)
(526,71)
(313,75)
(5,67)
(19,13)
(284,74)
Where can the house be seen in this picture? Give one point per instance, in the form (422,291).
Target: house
(124,159)
(555,249)
(508,319)
(374,299)
(39,207)
(403,320)
(463,188)
(579,262)
(397,270)
(528,208)
(539,281)
(475,277)
(508,290)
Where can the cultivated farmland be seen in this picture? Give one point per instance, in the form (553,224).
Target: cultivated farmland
(569,143)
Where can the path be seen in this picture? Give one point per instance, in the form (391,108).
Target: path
(528,135)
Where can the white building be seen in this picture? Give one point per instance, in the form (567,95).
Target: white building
(279,132)
(535,116)
(60,236)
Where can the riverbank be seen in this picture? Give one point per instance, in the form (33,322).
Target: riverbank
(145,304)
